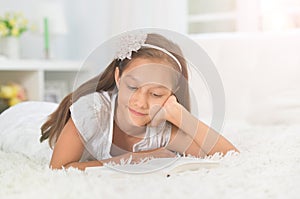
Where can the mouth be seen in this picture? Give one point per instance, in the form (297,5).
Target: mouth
(136,112)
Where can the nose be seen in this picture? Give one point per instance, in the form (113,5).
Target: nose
(139,99)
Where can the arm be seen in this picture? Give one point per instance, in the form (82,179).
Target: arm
(69,148)
(184,144)
(135,157)
(199,139)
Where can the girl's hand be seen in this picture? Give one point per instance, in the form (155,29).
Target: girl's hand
(170,110)
(136,157)
(160,153)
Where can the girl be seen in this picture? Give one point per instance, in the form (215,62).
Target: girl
(137,107)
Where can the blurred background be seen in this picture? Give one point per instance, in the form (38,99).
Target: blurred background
(254,44)
(78,26)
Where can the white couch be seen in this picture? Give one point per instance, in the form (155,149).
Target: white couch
(260,74)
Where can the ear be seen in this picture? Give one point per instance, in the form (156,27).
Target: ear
(117,76)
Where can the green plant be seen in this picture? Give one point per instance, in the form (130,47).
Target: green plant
(13,24)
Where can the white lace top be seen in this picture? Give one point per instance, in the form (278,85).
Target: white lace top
(93,116)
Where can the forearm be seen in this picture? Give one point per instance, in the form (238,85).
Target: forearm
(206,137)
(95,163)
(84,165)
(211,141)
(134,157)
(184,144)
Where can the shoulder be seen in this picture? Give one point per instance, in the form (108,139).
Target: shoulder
(94,101)
(91,112)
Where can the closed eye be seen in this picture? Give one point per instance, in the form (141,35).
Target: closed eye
(156,95)
(132,87)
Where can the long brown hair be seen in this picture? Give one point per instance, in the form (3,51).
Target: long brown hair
(106,82)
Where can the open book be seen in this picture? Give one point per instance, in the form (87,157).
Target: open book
(165,166)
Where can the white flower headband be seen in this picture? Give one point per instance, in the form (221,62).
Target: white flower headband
(133,42)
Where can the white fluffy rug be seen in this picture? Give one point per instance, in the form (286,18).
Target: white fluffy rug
(267,167)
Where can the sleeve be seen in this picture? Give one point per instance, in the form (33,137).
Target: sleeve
(87,115)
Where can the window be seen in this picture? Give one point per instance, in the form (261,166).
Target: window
(211,16)
(280,14)
(206,16)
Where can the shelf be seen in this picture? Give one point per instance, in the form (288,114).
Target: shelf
(47,65)
(43,80)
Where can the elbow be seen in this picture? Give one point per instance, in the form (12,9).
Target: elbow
(236,150)
(231,150)
(223,151)
(58,166)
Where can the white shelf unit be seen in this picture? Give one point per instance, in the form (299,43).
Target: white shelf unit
(34,76)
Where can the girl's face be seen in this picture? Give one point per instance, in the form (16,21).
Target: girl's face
(144,87)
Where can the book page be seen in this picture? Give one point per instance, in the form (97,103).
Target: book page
(166,166)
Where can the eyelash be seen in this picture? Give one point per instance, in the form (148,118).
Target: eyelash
(133,88)
(156,95)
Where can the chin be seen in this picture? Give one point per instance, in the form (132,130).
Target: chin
(139,123)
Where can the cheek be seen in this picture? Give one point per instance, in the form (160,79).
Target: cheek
(123,96)
(126,96)
(157,101)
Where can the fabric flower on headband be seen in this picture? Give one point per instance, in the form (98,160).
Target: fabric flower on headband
(130,43)
(133,42)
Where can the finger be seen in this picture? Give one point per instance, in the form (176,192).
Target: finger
(173,98)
